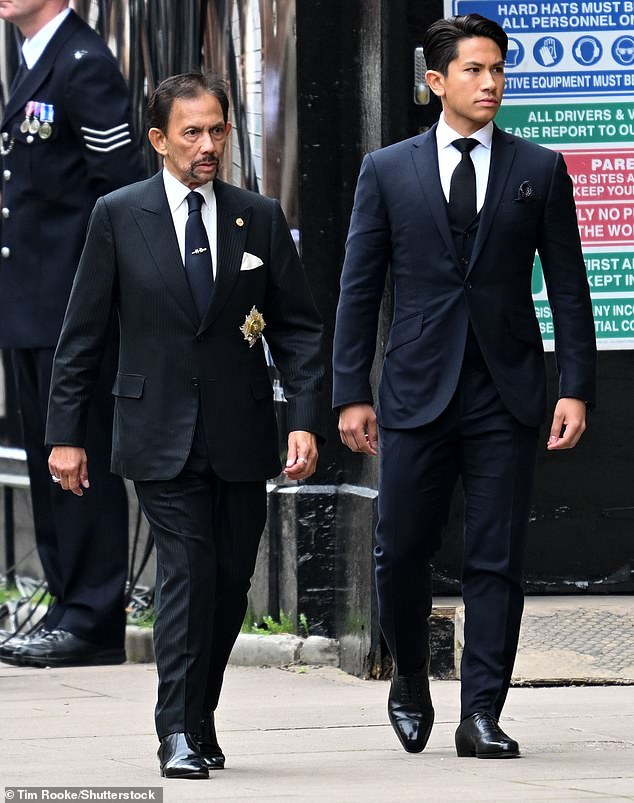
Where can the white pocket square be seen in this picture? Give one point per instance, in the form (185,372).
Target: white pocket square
(250,261)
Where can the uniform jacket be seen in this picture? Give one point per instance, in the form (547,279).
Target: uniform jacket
(173,366)
(400,219)
(50,185)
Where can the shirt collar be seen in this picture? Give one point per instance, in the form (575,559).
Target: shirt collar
(445,135)
(33,48)
(176,191)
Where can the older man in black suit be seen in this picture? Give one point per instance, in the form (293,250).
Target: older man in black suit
(66,140)
(458,213)
(197,270)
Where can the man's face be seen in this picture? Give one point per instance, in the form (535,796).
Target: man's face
(195,140)
(25,12)
(472,90)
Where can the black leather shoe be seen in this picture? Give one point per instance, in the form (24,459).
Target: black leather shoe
(9,640)
(480,736)
(207,744)
(179,757)
(410,710)
(60,648)
(7,648)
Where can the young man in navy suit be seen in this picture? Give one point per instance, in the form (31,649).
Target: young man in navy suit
(457,213)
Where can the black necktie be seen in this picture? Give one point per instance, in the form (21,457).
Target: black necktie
(197,256)
(462,190)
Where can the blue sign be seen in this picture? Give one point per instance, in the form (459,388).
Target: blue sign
(571,84)
(548,51)
(574,16)
(587,50)
(623,50)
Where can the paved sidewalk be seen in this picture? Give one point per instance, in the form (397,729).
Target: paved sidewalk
(310,734)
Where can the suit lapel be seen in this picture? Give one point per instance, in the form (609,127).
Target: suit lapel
(28,87)
(502,156)
(155,221)
(425,158)
(233,225)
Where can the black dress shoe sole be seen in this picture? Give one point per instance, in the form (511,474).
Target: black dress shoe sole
(101,658)
(470,752)
(13,659)
(214,763)
(193,775)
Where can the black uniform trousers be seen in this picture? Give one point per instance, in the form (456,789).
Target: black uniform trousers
(477,439)
(207,533)
(82,542)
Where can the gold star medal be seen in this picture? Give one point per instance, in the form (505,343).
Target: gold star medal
(253,327)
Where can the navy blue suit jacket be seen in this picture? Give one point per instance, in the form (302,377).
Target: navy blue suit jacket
(50,185)
(399,220)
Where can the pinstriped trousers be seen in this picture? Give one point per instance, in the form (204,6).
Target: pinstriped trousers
(207,533)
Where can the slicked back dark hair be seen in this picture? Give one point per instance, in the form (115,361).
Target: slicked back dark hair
(440,42)
(185,85)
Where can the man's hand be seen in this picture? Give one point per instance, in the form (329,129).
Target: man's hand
(357,428)
(69,465)
(569,424)
(301,459)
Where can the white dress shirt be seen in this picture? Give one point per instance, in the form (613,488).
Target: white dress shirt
(448,157)
(176,193)
(33,48)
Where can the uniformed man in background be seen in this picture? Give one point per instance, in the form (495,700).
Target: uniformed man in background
(67,139)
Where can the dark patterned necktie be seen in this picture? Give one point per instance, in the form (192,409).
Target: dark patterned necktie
(197,255)
(462,190)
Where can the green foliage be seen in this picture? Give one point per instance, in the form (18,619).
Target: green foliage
(265,626)
(8,593)
(12,594)
(142,618)
(268,626)
(248,623)
(271,627)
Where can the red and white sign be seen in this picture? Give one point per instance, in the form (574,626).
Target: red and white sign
(604,194)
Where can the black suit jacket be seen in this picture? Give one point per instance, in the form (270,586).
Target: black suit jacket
(400,219)
(50,185)
(171,365)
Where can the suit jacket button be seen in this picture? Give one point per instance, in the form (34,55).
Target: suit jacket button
(5,212)
(6,252)
(195,382)
(468,285)
(200,338)
(6,175)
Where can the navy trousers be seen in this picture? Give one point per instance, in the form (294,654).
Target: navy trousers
(82,542)
(476,439)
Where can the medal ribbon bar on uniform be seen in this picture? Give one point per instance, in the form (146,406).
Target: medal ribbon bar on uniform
(47,117)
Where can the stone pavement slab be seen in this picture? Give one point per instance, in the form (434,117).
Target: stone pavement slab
(310,734)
